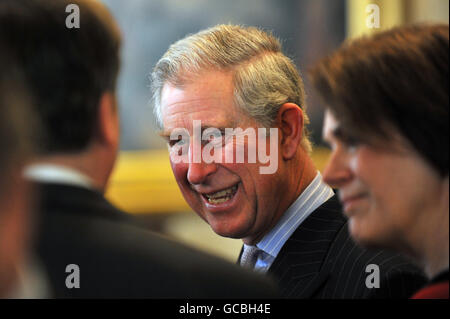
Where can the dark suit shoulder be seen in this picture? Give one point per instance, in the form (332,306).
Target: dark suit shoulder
(62,199)
(121,260)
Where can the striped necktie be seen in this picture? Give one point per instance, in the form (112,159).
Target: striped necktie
(249,256)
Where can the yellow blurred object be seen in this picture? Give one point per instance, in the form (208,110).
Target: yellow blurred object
(143,182)
(391,13)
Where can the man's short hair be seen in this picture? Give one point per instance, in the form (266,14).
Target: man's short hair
(397,79)
(264,78)
(67,69)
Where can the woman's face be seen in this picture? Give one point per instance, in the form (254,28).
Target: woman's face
(388,192)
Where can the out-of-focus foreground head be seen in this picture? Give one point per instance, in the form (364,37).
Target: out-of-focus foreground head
(16,129)
(68,69)
(387,123)
(396,79)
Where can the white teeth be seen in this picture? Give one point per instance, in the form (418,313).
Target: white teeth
(221,196)
(218,201)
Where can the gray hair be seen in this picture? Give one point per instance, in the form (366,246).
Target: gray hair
(263,77)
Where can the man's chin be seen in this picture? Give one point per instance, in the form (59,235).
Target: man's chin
(223,225)
(228,233)
(224,230)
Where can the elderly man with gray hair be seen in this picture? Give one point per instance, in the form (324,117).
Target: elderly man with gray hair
(232,108)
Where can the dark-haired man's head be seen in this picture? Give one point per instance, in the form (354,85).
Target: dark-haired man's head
(72,74)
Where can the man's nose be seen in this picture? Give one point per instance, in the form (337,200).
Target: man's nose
(198,170)
(337,171)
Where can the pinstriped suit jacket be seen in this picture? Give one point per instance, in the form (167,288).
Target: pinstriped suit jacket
(320,260)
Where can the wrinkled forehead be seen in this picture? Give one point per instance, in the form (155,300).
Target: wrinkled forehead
(211,103)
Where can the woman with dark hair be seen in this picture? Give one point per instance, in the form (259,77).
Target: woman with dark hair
(387,124)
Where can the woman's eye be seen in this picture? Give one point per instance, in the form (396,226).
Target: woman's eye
(350,141)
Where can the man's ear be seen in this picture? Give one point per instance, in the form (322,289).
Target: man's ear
(108,119)
(290,121)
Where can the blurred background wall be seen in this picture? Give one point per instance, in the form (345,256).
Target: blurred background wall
(142,182)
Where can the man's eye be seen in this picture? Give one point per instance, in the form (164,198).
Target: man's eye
(215,138)
(179,142)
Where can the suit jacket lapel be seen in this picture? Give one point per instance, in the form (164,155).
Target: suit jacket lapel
(301,267)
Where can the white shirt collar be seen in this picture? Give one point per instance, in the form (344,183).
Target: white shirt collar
(314,195)
(51,173)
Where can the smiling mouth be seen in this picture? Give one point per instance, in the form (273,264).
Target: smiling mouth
(350,202)
(221,196)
